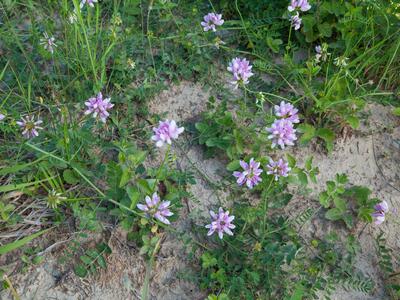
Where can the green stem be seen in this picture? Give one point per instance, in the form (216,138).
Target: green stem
(265,209)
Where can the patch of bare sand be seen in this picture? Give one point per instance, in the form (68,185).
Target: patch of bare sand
(371,158)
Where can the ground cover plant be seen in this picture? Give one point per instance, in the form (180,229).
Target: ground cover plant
(82,153)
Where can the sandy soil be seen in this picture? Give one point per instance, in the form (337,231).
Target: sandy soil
(369,157)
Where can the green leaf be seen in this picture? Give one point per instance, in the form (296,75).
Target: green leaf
(86,259)
(291,160)
(325,29)
(308,163)
(308,21)
(134,195)
(138,157)
(233,165)
(340,203)
(308,133)
(330,187)
(324,199)
(353,121)
(302,178)
(70,177)
(298,293)
(328,136)
(342,178)
(333,214)
(145,185)
(348,219)
(396,111)
(102,262)
(92,253)
(125,177)
(80,271)
(104,248)
(274,44)
(208,260)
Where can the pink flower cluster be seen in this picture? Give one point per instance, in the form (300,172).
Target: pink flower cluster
(278,168)
(166,132)
(156,208)
(282,131)
(296,21)
(302,5)
(381,209)
(287,111)
(29,126)
(298,5)
(212,20)
(241,71)
(98,107)
(250,174)
(48,42)
(221,223)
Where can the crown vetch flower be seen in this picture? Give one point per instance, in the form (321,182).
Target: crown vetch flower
(282,133)
(98,107)
(380,210)
(287,111)
(321,52)
(166,132)
(88,2)
(250,174)
(211,20)
(72,17)
(296,21)
(303,5)
(156,208)
(54,198)
(48,42)
(278,168)
(241,71)
(2,117)
(341,61)
(29,126)
(221,223)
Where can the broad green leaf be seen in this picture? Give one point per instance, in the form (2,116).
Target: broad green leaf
(308,163)
(340,203)
(133,194)
(80,270)
(298,293)
(353,121)
(328,136)
(302,178)
(325,29)
(330,187)
(308,133)
(208,260)
(324,199)
(102,262)
(348,219)
(333,214)
(291,160)
(70,177)
(274,44)
(86,259)
(396,111)
(233,165)
(342,178)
